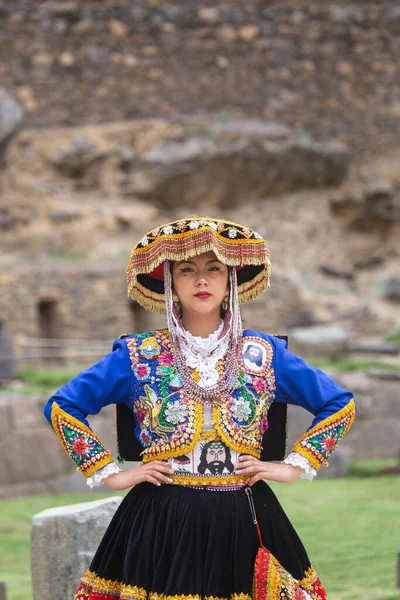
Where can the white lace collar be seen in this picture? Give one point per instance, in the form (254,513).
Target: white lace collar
(203,354)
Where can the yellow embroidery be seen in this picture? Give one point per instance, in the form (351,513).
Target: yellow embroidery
(167,450)
(190,479)
(132,592)
(321,440)
(252,447)
(79,442)
(309,577)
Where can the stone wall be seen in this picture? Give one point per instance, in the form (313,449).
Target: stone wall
(33,460)
(70,301)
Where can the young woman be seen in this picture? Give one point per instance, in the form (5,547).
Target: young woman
(204,408)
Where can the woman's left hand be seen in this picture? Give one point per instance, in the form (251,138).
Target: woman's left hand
(280,472)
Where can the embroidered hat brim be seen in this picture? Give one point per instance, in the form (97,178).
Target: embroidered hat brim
(233,244)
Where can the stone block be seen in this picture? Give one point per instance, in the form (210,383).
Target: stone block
(63,542)
(4,417)
(319,341)
(34,454)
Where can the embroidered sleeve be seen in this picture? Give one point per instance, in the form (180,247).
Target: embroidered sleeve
(318,443)
(334,408)
(82,445)
(106,382)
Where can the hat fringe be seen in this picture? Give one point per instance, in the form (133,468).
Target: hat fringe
(180,240)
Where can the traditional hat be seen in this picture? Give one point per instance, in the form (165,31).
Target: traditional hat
(233,244)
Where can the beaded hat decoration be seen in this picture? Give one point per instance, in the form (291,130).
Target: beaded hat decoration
(233,244)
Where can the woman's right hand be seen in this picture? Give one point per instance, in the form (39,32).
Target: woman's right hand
(156,472)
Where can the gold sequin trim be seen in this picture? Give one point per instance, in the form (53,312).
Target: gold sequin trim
(170,450)
(252,447)
(309,577)
(132,592)
(59,418)
(315,456)
(210,480)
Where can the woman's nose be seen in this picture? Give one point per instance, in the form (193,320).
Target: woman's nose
(202,280)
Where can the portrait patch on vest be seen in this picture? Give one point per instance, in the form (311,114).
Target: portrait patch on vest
(257,355)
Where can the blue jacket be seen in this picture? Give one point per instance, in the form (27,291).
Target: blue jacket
(140,374)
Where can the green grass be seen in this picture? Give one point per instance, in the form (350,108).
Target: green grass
(42,381)
(393,338)
(370,468)
(349,527)
(348,365)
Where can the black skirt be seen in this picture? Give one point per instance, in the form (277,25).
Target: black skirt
(194,543)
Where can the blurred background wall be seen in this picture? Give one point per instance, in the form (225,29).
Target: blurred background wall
(118,116)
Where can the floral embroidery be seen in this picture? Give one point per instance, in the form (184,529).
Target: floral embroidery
(241,409)
(144,241)
(259,384)
(176,412)
(257,236)
(194,224)
(166,359)
(318,443)
(213,226)
(142,371)
(80,443)
(168,230)
(232,233)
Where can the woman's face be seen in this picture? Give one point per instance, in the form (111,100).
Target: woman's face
(201,283)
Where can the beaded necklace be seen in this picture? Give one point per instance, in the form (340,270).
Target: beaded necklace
(229,373)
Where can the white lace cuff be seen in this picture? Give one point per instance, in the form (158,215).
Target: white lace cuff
(98,476)
(298,460)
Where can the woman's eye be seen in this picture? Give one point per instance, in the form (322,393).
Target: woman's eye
(186,270)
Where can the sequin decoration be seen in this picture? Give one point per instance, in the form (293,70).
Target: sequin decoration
(318,443)
(79,442)
(93,587)
(169,422)
(272,582)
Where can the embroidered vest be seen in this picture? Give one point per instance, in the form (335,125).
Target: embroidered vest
(168,423)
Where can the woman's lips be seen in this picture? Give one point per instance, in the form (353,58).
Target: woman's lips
(202,295)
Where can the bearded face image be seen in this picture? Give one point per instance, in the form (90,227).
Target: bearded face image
(215,458)
(253,355)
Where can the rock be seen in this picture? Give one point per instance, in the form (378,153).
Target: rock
(248,33)
(11,115)
(8,360)
(389,288)
(209,15)
(65,215)
(319,341)
(231,157)
(63,542)
(334,271)
(377,189)
(222,62)
(374,348)
(386,374)
(117,28)
(26,95)
(67,60)
(392,19)
(66,10)
(19,446)
(344,68)
(226,33)
(78,157)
